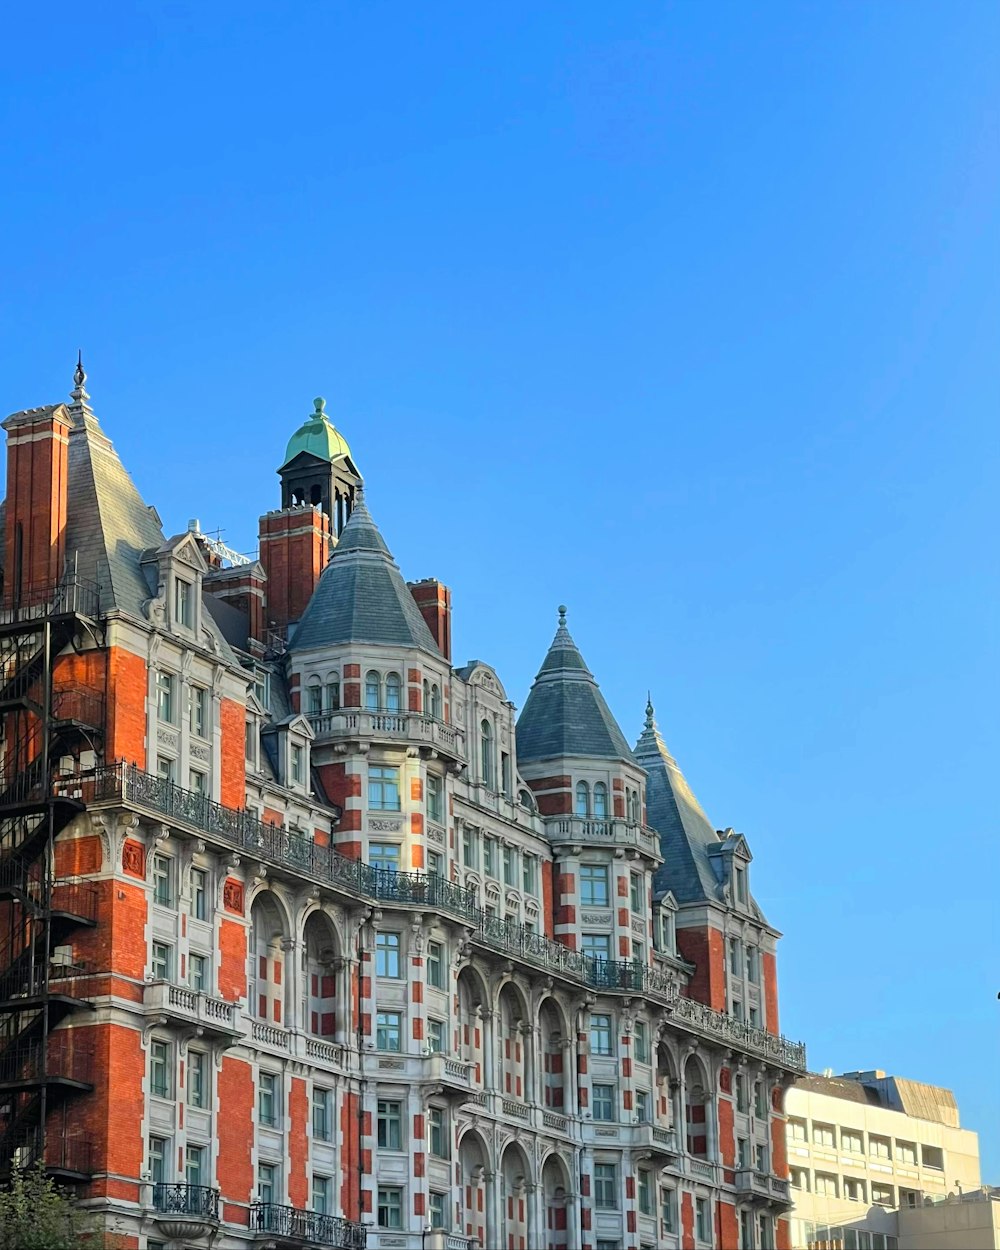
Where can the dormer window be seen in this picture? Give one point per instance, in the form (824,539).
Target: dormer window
(486,753)
(183,603)
(297,770)
(740,885)
(262,687)
(165,697)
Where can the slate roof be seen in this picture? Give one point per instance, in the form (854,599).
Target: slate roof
(361,595)
(565,712)
(685,831)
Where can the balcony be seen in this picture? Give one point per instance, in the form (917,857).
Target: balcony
(609,974)
(192,1009)
(293,1227)
(453,1075)
(657,1142)
(740,1035)
(753,1184)
(184,1212)
(589,829)
(360,725)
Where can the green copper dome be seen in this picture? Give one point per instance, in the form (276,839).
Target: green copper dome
(317,436)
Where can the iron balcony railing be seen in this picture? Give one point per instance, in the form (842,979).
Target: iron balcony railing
(308,1226)
(178,1199)
(70,596)
(128,783)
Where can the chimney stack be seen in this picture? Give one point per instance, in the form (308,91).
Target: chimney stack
(434,601)
(37,473)
(294,550)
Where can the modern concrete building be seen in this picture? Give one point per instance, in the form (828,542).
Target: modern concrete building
(306,943)
(967,1221)
(862,1145)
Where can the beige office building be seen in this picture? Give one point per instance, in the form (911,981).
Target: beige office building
(865,1148)
(969,1221)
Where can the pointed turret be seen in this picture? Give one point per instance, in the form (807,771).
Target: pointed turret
(361,596)
(672,810)
(565,713)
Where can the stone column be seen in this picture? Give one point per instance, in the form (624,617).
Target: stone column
(293,984)
(571,1103)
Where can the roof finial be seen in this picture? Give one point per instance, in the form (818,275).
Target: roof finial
(78,394)
(562,614)
(649,711)
(319,403)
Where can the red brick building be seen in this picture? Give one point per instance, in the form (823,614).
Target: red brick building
(306,943)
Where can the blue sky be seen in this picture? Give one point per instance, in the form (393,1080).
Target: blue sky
(686,315)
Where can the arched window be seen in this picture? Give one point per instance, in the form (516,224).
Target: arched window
(373,691)
(486,753)
(393,693)
(332,692)
(427,697)
(600,800)
(582,799)
(435,701)
(631,807)
(314,697)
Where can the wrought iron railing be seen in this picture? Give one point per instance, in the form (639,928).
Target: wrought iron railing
(307,1226)
(727,1028)
(179,1199)
(71,595)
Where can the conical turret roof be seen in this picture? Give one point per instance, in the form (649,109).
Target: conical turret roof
(565,713)
(672,810)
(361,595)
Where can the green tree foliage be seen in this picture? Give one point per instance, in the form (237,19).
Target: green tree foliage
(36,1215)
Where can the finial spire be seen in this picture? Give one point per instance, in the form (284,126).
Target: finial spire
(79,394)
(650,723)
(562,614)
(319,404)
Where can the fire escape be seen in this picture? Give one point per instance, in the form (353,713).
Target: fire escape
(46,718)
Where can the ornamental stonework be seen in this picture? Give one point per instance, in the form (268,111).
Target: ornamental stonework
(232,896)
(134,858)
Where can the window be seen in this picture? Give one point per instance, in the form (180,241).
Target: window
(604,1102)
(593,885)
(314,699)
(734,956)
(298,770)
(435,864)
(197,1079)
(597,946)
(267,1099)
(384,855)
(390,1206)
(161,1068)
(250,743)
(600,801)
(742,1152)
(163,880)
(163,959)
(437,1124)
(436,1036)
(435,805)
(528,873)
(760,1100)
(741,885)
(766,1233)
(262,687)
(158,1147)
(198,711)
(932,1157)
(387,962)
(435,965)
(486,753)
(882,1195)
(322,1114)
(668,1210)
(373,691)
(321,1194)
(796,1128)
(165,697)
(183,602)
(508,865)
(505,773)
(600,1035)
(823,1135)
(489,857)
(852,1141)
(906,1152)
(760,1159)
(799,1179)
(435,700)
(753,1016)
(638,951)
(390,1125)
(606,1186)
(642,1107)
(645,1193)
(640,1044)
(743,1103)
(878,1147)
(198,973)
(582,799)
(383,788)
(332,694)
(826,1185)
(753,965)
(199,894)
(635,893)
(393,693)
(854,1190)
(388,1030)
(194,1165)
(437,1209)
(468,848)
(702,1223)
(738,1008)
(267,1183)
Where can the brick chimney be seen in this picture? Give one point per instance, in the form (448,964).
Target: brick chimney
(244,587)
(434,601)
(294,550)
(37,475)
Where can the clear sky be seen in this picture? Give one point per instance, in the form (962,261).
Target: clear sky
(686,315)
